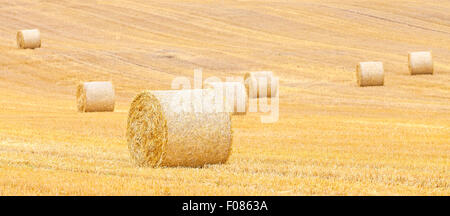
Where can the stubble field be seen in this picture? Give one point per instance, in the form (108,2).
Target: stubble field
(332,137)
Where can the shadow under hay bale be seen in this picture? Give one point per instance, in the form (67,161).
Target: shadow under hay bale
(178,128)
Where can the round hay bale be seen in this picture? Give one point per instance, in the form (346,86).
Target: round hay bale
(259,84)
(95,97)
(165,129)
(370,74)
(29,39)
(231,96)
(420,63)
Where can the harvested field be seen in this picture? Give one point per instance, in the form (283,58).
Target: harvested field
(332,137)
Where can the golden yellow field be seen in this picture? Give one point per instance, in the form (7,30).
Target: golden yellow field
(332,138)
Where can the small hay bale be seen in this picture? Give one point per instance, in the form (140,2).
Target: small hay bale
(166,129)
(231,96)
(95,97)
(29,39)
(370,74)
(259,84)
(420,63)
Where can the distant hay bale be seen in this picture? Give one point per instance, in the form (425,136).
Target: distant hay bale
(370,74)
(29,39)
(165,128)
(95,97)
(420,63)
(231,96)
(259,84)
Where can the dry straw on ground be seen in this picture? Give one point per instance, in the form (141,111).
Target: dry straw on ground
(95,97)
(29,39)
(420,63)
(261,84)
(370,74)
(178,128)
(230,96)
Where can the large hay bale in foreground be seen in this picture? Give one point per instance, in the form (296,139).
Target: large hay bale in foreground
(29,39)
(261,84)
(230,96)
(165,128)
(95,97)
(420,63)
(370,74)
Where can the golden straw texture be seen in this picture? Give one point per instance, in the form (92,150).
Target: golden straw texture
(230,96)
(370,74)
(29,39)
(81,97)
(178,128)
(420,63)
(260,84)
(95,97)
